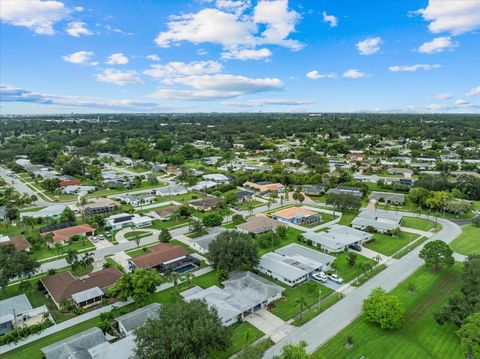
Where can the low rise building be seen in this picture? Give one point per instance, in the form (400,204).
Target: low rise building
(337,238)
(354,191)
(257,225)
(387,197)
(19,242)
(64,235)
(123,220)
(379,221)
(205,204)
(164,257)
(17,312)
(297,215)
(264,187)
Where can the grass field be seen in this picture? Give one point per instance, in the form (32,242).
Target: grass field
(292,234)
(468,242)
(346,271)
(419,223)
(420,336)
(388,245)
(240,334)
(137,234)
(347,218)
(250,204)
(287,307)
(45,252)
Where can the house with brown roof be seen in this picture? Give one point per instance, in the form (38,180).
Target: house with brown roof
(264,187)
(164,257)
(205,204)
(84,291)
(19,242)
(165,213)
(64,235)
(259,225)
(297,215)
(69,182)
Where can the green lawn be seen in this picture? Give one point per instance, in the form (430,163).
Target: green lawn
(388,245)
(241,333)
(316,311)
(347,218)
(346,271)
(420,336)
(81,271)
(157,224)
(292,234)
(250,204)
(139,251)
(287,307)
(468,242)
(139,234)
(45,252)
(419,223)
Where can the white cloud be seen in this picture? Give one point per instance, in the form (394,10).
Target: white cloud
(268,102)
(109,28)
(314,75)
(77,28)
(461,102)
(177,69)
(453,16)
(209,87)
(80,58)
(247,54)
(38,16)
(354,74)
(239,32)
(330,19)
(438,44)
(369,46)
(443,96)
(118,77)
(117,59)
(153,57)
(474,92)
(413,68)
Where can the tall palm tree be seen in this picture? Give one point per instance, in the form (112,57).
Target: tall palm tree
(302,303)
(87,259)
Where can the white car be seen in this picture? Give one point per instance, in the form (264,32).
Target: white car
(321,277)
(335,278)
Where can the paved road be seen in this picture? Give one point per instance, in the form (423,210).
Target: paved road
(22,188)
(327,324)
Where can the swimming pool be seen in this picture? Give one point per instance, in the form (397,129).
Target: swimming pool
(186,268)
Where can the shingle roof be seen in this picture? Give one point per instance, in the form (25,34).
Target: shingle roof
(66,233)
(137,318)
(161,253)
(259,225)
(76,346)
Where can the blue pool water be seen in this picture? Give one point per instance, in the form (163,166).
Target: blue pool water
(187,268)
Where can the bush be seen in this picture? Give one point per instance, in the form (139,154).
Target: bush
(237,219)
(21,333)
(212,220)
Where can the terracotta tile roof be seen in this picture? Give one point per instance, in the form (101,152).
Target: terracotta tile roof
(63,284)
(66,233)
(161,253)
(71,182)
(294,212)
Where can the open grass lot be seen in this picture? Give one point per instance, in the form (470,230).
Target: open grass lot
(287,307)
(241,333)
(468,242)
(292,234)
(137,234)
(419,223)
(420,336)
(346,271)
(388,245)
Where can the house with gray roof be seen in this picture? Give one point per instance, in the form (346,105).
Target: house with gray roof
(18,311)
(76,346)
(337,238)
(127,323)
(387,197)
(354,191)
(243,293)
(381,221)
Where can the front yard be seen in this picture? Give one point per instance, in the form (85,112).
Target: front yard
(346,271)
(419,223)
(44,253)
(388,245)
(468,242)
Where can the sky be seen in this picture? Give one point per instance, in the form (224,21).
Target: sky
(62,56)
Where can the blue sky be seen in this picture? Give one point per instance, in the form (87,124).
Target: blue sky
(62,56)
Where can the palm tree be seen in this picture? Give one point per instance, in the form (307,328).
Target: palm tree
(83,202)
(72,258)
(188,278)
(302,303)
(87,259)
(174,277)
(137,240)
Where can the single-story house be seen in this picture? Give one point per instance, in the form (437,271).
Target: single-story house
(243,196)
(82,292)
(258,225)
(211,161)
(75,189)
(64,235)
(170,190)
(257,168)
(18,312)
(216,177)
(297,215)
(55,211)
(313,189)
(164,257)
(166,212)
(242,294)
(122,220)
(137,200)
(205,204)
(201,244)
(76,346)
(204,185)
(366,178)
(400,171)
(19,242)
(293,265)
(99,206)
(127,323)
(337,238)
(379,220)
(69,182)
(264,187)
(387,197)
(354,191)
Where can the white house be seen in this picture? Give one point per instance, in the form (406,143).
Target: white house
(379,220)
(122,220)
(337,238)
(216,177)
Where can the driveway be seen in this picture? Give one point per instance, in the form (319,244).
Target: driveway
(270,324)
(327,324)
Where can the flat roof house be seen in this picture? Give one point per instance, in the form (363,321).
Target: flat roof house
(64,235)
(258,225)
(164,257)
(243,293)
(387,197)
(18,312)
(380,221)
(100,206)
(293,265)
(337,238)
(205,204)
(83,292)
(297,215)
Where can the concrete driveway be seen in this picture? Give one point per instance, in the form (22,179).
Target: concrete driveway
(270,324)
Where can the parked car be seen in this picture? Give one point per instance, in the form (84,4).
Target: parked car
(335,278)
(320,276)
(355,247)
(101,237)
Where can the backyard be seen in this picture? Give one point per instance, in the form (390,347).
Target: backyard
(419,337)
